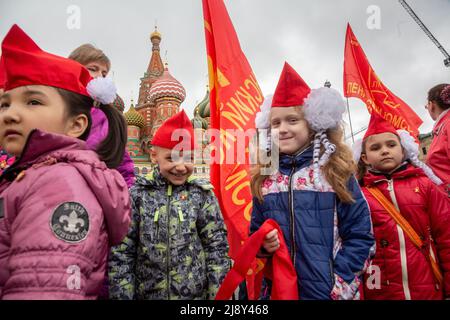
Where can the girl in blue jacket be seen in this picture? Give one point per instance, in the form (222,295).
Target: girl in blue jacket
(312,195)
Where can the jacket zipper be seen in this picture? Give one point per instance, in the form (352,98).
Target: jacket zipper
(180,219)
(291,209)
(402,242)
(330,261)
(169,198)
(156,221)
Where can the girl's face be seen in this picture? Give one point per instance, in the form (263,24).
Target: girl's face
(97,69)
(383,152)
(34,107)
(291,128)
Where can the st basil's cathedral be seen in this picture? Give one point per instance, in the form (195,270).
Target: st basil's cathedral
(160,97)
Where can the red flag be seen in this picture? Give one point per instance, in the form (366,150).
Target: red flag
(235,98)
(360,81)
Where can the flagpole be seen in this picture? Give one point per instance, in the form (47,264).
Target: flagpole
(350,121)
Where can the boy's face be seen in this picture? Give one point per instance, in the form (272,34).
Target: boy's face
(383,152)
(176,167)
(32,107)
(97,69)
(291,127)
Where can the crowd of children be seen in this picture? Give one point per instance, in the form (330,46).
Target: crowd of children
(75,222)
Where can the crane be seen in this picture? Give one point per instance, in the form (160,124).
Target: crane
(427,32)
(355,133)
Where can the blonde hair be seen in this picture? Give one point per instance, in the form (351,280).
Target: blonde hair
(337,171)
(87,53)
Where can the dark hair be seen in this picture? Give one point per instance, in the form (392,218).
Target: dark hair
(112,148)
(361,166)
(435,95)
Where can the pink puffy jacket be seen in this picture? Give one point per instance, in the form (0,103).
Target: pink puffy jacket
(60,210)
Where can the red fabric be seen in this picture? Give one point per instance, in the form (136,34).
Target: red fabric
(427,209)
(2,74)
(183,137)
(291,90)
(438,157)
(279,268)
(360,81)
(378,125)
(26,64)
(235,99)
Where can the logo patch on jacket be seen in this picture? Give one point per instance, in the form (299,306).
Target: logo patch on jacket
(70,222)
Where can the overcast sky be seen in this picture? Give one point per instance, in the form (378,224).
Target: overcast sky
(308,34)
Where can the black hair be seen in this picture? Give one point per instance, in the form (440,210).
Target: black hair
(112,148)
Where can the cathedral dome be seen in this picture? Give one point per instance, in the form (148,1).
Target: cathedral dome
(134,118)
(119,104)
(199,123)
(167,87)
(203,107)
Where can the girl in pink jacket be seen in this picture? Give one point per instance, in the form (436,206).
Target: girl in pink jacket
(60,206)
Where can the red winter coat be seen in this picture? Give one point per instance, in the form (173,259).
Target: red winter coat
(404,271)
(438,157)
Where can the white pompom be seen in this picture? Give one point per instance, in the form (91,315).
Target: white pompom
(412,153)
(262,120)
(408,143)
(357,149)
(102,90)
(324,108)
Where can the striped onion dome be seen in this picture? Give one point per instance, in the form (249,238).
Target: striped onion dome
(167,87)
(134,118)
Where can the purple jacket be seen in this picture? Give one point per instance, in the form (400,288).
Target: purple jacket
(99,131)
(61,209)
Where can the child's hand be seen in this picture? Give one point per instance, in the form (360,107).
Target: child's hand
(271,242)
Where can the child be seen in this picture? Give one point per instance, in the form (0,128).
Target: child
(419,217)
(313,195)
(177,245)
(95,60)
(6,160)
(98,65)
(438,157)
(60,206)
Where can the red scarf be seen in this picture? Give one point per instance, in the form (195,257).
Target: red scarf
(279,268)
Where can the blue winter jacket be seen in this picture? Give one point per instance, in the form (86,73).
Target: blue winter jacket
(324,236)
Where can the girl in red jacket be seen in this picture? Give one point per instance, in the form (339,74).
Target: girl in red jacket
(438,107)
(410,215)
